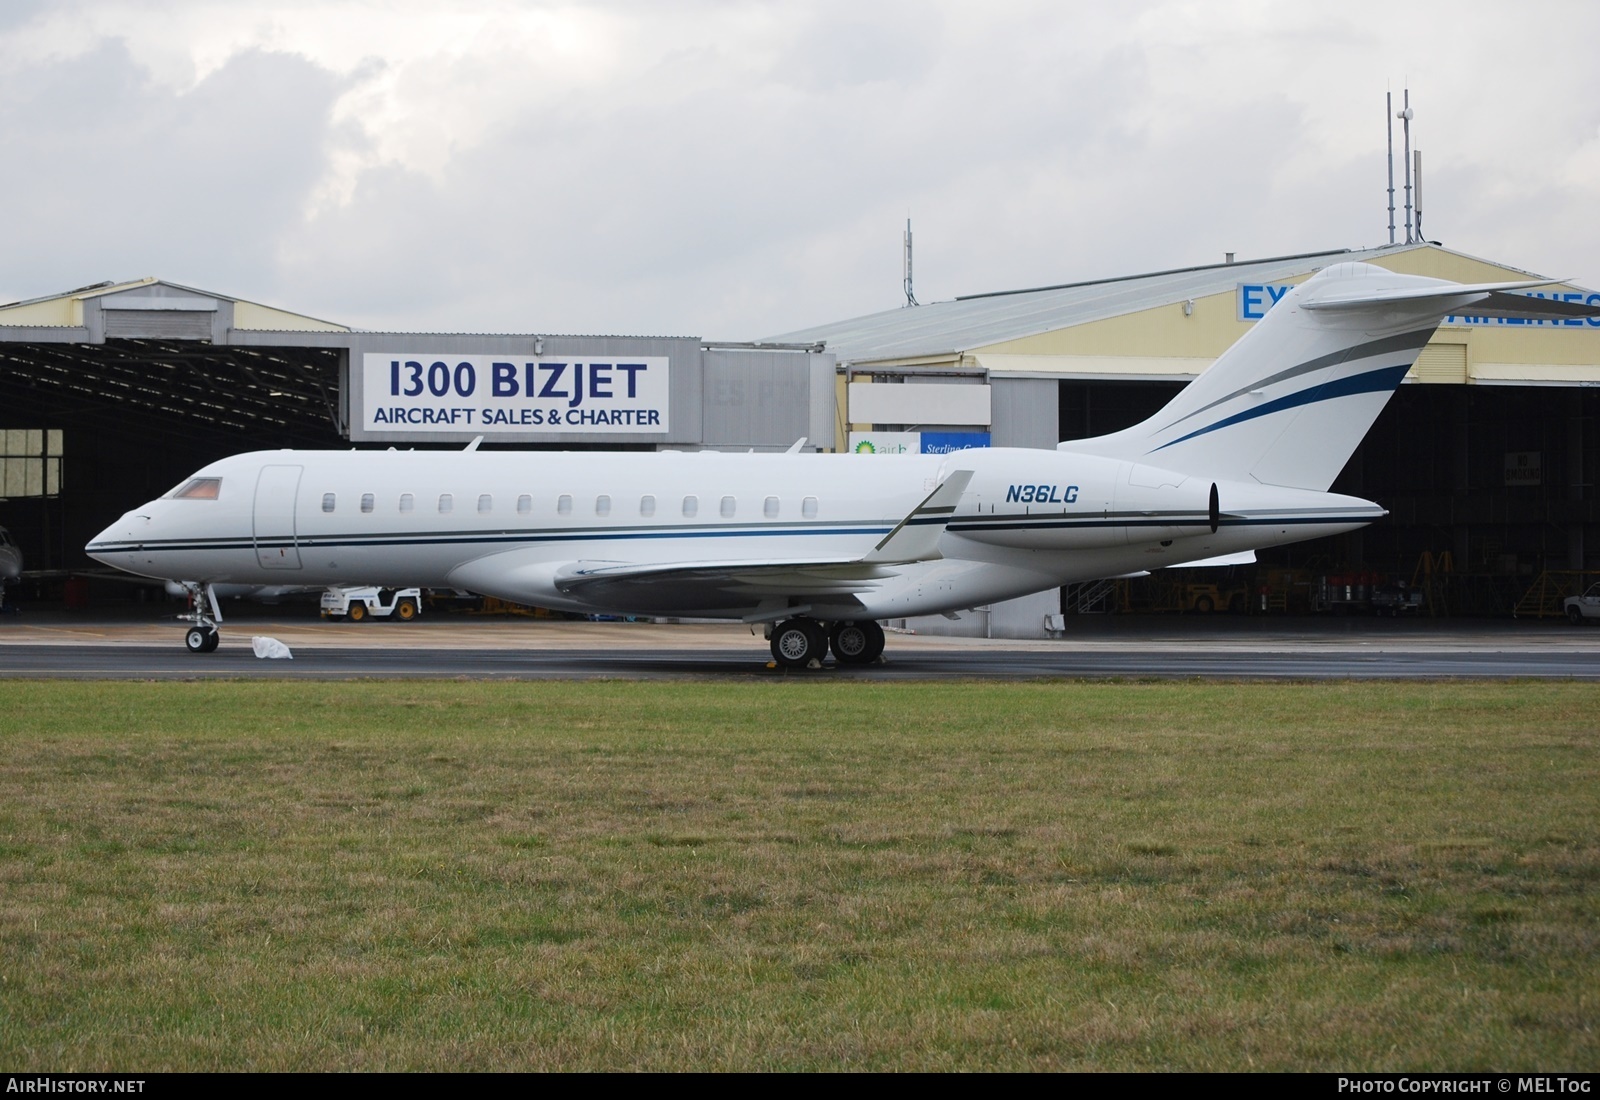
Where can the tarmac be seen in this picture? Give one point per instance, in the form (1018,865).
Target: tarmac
(145,641)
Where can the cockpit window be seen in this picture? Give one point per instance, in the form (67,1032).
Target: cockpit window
(201,488)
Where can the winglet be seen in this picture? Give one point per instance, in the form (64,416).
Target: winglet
(916,538)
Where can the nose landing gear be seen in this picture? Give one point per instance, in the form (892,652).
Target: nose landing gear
(203,636)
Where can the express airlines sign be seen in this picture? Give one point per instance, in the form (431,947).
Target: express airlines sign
(1254,299)
(483,394)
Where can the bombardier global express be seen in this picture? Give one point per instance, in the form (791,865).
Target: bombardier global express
(821,548)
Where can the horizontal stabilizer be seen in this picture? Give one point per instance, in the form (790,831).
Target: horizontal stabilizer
(1524,305)
(1359,298)
(1481,299)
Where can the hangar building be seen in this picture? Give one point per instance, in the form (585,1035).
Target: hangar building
(1487,457)
(113,393)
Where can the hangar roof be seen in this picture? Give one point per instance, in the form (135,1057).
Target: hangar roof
(66,310)
(980,320)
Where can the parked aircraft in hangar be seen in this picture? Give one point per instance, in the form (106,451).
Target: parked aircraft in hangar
(10,563)
(822,547)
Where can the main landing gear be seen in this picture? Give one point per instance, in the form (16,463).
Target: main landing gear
(803,643)
(204,614)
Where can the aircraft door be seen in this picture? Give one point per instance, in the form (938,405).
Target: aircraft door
(277,489)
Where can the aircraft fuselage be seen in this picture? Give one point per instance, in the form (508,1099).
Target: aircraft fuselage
(516,524)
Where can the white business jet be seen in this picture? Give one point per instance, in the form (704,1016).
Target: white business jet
(10,559)
(10,564)
(819,548)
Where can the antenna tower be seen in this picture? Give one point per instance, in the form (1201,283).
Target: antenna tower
(911,298)
(1405,117)
(1388,117)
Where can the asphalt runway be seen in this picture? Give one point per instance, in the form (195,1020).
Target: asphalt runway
(144,644)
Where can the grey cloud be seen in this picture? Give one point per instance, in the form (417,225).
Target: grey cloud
(123,177)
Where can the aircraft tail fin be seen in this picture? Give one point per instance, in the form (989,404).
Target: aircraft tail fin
(1290,402)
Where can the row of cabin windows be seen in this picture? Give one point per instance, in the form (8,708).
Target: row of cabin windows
(728,507)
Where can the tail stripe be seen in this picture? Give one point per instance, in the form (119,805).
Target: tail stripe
(1405,342)
(1384,380)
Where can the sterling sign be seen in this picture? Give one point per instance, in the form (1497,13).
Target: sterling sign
(483,394)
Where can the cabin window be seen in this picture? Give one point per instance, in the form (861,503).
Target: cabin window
(201,488)
(647,506)
(808,507)
(524,504)
(408,503)
(367,501)
(328,501)
(769,507)
(485,503)
(729,506)
(447,502)
(564,505)
(602,505)
(691,506)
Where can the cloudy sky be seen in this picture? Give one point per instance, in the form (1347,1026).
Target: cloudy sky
(737,169)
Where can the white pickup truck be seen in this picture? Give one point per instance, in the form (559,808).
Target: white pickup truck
(368,602)
(1581,609)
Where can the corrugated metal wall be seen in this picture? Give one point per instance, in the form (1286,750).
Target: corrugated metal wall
(1026,412)
(755,398)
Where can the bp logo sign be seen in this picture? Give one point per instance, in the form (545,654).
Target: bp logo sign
(885,443)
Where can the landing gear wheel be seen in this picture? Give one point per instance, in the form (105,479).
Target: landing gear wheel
(1574,616)
(798,642)
(406,610)
(1205,604)
(819,638)
(358,611)
(200,639)
(858,643)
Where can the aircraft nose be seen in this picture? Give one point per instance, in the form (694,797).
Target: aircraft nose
(115,545)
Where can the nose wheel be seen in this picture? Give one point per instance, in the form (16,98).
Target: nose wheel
(200,639)
(203,616)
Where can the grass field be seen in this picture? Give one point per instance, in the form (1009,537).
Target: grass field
(799,875)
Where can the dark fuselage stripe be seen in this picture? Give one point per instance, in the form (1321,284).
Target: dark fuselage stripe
(998,523)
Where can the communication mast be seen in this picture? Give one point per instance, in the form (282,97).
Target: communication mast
(911,298)
(1388,117)
(1405,117)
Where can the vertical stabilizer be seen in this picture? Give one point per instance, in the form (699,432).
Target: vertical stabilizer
(1290,402)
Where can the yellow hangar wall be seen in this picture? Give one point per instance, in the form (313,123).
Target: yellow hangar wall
(1163,342)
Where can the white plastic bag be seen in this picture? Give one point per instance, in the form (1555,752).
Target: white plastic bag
(270,648)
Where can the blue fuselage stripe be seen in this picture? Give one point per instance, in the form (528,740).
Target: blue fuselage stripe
(467,538)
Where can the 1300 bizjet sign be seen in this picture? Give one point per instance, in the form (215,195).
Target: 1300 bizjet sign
(484,394)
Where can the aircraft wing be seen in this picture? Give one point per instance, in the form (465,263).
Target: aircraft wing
(915,538)
(758,579)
